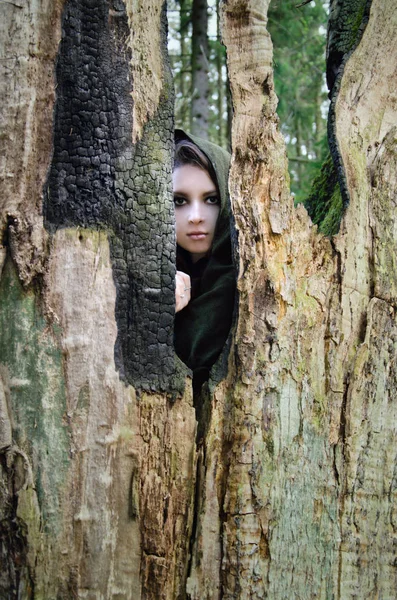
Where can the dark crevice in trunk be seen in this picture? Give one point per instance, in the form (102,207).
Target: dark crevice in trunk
(346,29)
(13,540)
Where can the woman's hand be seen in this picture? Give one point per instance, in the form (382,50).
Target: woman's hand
(182,290)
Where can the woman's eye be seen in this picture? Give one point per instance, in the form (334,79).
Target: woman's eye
(212,200)
(178,201)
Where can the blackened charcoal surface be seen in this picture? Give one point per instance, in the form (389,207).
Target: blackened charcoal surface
(99,179)
(93,106)
(347,22)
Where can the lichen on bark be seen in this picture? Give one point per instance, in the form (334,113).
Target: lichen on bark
(37,461)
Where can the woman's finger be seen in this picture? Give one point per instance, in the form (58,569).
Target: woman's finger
(182,290)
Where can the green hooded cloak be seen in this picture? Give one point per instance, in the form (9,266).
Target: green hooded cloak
(202,327)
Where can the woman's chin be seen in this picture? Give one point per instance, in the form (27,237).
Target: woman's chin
(194,247)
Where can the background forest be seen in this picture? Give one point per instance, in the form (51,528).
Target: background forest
(203,104)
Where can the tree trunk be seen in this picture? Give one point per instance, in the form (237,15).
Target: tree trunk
(220,80)
(97,452)
(199,66)
(290,491)
(304,476)
(185,74)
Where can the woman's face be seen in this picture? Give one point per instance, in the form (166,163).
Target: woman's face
(197,207)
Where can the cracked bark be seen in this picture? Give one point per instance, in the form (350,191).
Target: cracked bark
(307,496)
(289,488)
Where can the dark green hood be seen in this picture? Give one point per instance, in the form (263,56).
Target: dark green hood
(202,328)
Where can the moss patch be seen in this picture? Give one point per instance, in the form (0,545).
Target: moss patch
(324,204)
(31,357)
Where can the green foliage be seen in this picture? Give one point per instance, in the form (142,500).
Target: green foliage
(299,40)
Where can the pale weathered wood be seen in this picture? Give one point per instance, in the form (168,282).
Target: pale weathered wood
(97,480)
(27,94)
(309,498)
(366,120)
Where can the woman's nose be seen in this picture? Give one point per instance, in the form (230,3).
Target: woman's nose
(196,213)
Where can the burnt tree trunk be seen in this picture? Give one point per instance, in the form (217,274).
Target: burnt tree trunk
(97,453)
(290,491)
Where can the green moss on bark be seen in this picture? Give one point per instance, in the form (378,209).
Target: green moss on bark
(347,21)
(324,203)
(347,17)
(32,363)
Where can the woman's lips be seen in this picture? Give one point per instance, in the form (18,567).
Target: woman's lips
(197,235)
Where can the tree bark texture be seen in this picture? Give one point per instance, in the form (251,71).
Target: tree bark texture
(96,472)
(110,488)
(305,475)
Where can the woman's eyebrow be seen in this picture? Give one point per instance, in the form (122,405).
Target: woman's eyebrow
(184,192)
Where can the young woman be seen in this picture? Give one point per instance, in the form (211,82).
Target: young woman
(205,280)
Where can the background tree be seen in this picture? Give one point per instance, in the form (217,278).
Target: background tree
(210,98)
(290,491)
(199,69)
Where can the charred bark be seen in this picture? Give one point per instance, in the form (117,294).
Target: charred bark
(100,179)
(91,470)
